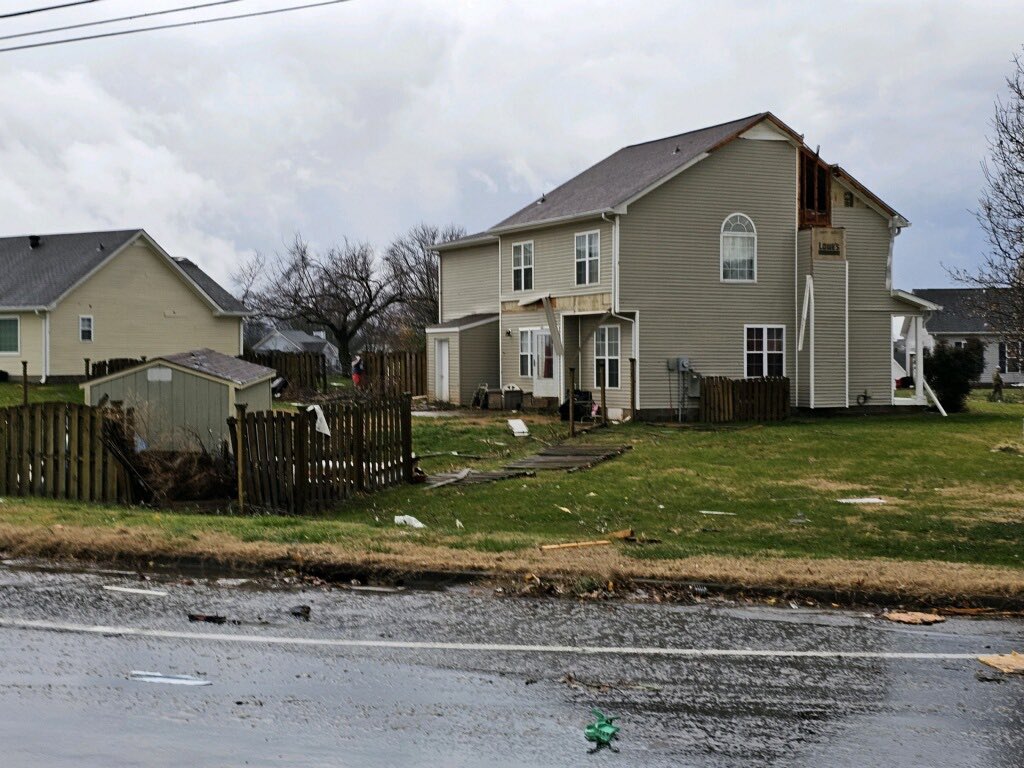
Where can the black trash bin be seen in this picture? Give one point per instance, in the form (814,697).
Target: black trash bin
(584,403)
(512,399)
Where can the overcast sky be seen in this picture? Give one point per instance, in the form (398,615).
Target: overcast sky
(361,119)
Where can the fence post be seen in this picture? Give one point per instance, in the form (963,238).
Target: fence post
(604,403)
(24,382)
(572,402)
(632,388)
(407,465)
(240,457)
(87,372)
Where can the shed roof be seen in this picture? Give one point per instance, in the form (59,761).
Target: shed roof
(218,365)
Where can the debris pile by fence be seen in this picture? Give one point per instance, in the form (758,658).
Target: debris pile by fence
(305,371)
(286,464)
(723,399)
(397,371)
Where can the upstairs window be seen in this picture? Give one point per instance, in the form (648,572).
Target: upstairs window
(588,258)
(1009,356)
(85,327)
(9,335)
(522,267)
(765,352)
(739,249)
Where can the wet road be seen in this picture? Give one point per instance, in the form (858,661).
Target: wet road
(461,678)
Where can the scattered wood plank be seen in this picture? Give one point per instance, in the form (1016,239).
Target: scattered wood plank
(569,457)
(474,477)
(576,545)
(1008,663)
(914,617)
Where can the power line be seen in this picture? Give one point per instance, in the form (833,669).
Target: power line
(47,8)
(120,18)
(177,25)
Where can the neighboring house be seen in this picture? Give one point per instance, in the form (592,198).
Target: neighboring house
(730,251)
(285,340)
(101,295)
(183,401)
(963,317)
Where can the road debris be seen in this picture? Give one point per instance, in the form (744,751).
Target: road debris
(136,591)
(408,520)
(301,612)
(159,677)
(800,519)
(602,731)
(209,618)
(576,544)
(1009,663)
(913,617)
(518,427)
(715,512)
(865,500)
(458,524)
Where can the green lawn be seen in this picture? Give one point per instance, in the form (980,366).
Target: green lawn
(952,486)
(11,394)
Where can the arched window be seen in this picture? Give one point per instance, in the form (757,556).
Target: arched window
(739,250)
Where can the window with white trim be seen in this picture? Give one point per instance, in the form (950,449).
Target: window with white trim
(606,356)
(10,335)
(85,327)
(522,267)
(765,351)
(1010,356)
(526,353)
(588,258)
(739,249)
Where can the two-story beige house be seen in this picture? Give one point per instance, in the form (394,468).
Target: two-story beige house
(102,295)
(729,251)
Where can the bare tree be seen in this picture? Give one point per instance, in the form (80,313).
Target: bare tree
(341,290)
(1001,215)
(410,257)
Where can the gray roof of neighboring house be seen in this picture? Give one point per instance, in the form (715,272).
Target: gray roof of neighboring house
(962,309)
(38,277)
(306,341)
(240,372)
(626,173)
(461,322)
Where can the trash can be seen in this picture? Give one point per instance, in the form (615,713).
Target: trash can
(512,399)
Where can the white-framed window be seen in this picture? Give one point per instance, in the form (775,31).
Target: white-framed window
(606,356)
(85,328)
(10,335)
(764,351)
(1010,357)
(522,267)
(588,258)
(526,354)
(739,249)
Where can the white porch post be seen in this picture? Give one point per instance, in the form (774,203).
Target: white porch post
(918,360)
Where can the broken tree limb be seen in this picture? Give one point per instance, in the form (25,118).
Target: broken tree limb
(576,544)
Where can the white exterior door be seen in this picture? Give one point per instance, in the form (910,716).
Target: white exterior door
(441,389)
(545,371)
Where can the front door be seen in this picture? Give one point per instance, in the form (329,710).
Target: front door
(544,383)
(441,391)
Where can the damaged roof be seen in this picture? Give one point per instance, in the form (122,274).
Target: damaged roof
(221,366)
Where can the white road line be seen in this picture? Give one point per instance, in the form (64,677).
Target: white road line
(412,645)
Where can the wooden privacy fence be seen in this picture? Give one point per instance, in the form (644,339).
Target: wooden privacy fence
(397,371)
(287,465)
(64,451)
(303,370)
(99,368)
(723,399)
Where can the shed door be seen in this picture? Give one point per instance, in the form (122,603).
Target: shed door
(441,391)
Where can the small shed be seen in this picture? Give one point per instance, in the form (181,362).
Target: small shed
(185,399)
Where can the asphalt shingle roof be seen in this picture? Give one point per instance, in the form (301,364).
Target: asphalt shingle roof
(962,310)
(210,287)
(212,363)
(623,174)
(307,341)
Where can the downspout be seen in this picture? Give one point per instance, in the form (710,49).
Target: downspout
(46,346)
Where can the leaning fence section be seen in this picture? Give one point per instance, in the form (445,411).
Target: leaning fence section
(290,463)
(723,399)
(303,370)
(64,451)
(397,371)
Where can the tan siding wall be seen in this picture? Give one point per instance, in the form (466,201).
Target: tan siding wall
(670,263)
(453,365)
(829,334)
(870,353)
(139,307)
(171,415)
(478,360)
(510,346)
(30,349)
(469,281)
(554,260)
(804,368)
(256,398)
(616,398)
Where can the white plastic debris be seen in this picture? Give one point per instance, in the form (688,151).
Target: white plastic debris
(409,520)
(159,677)
(715,512)
(865,500)
(321,420)
(518,427)
(134,591)
(458,524)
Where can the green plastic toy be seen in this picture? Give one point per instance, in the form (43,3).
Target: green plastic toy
(602,731)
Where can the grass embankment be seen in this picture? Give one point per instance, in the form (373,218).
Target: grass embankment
(11,394)
(952,525)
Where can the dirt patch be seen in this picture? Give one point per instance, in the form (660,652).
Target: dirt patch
(918,582)
(823,484)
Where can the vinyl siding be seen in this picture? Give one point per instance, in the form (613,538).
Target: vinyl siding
(803,368)
(830,335)
(514,321)
(670,263)
(469,281)
(256,397)
(453,366)
(30,346)
(478,360)
(615,398)
(171,415)
(140,306)
(554,260)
